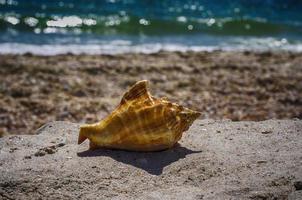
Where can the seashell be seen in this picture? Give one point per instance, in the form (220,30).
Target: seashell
(141,122)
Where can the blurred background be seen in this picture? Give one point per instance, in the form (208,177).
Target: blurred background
(72,60)
(118,26)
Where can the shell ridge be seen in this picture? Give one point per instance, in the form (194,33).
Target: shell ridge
(139,90)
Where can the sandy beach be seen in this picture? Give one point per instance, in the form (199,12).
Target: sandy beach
(214,160)
(82,88)
(67,63)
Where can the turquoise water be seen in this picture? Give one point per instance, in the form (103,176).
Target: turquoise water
(117,26)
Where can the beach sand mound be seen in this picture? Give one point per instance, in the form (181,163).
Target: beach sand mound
(214,160)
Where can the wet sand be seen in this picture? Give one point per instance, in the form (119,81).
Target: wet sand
(83,88)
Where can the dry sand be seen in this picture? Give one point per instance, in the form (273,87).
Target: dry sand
(215,160)
(82,88)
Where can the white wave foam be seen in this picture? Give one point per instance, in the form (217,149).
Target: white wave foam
(55,49)
(124,46)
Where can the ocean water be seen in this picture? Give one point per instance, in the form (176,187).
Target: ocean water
(50,27)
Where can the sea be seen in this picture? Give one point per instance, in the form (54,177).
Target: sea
(50,27)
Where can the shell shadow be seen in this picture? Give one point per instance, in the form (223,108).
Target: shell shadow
(151,162)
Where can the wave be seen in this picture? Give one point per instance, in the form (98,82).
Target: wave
(127,46)
(132,25)
(121,26)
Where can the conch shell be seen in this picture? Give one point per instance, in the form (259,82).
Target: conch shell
(140,123)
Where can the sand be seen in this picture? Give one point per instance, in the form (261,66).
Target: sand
(84,88)
(214,160)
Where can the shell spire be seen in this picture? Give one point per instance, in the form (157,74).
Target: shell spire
(140,122)
(139,90)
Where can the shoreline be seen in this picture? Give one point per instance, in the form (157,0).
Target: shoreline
(99,50)
(240,85)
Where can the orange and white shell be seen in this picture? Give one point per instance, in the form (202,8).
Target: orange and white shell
(140,123)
